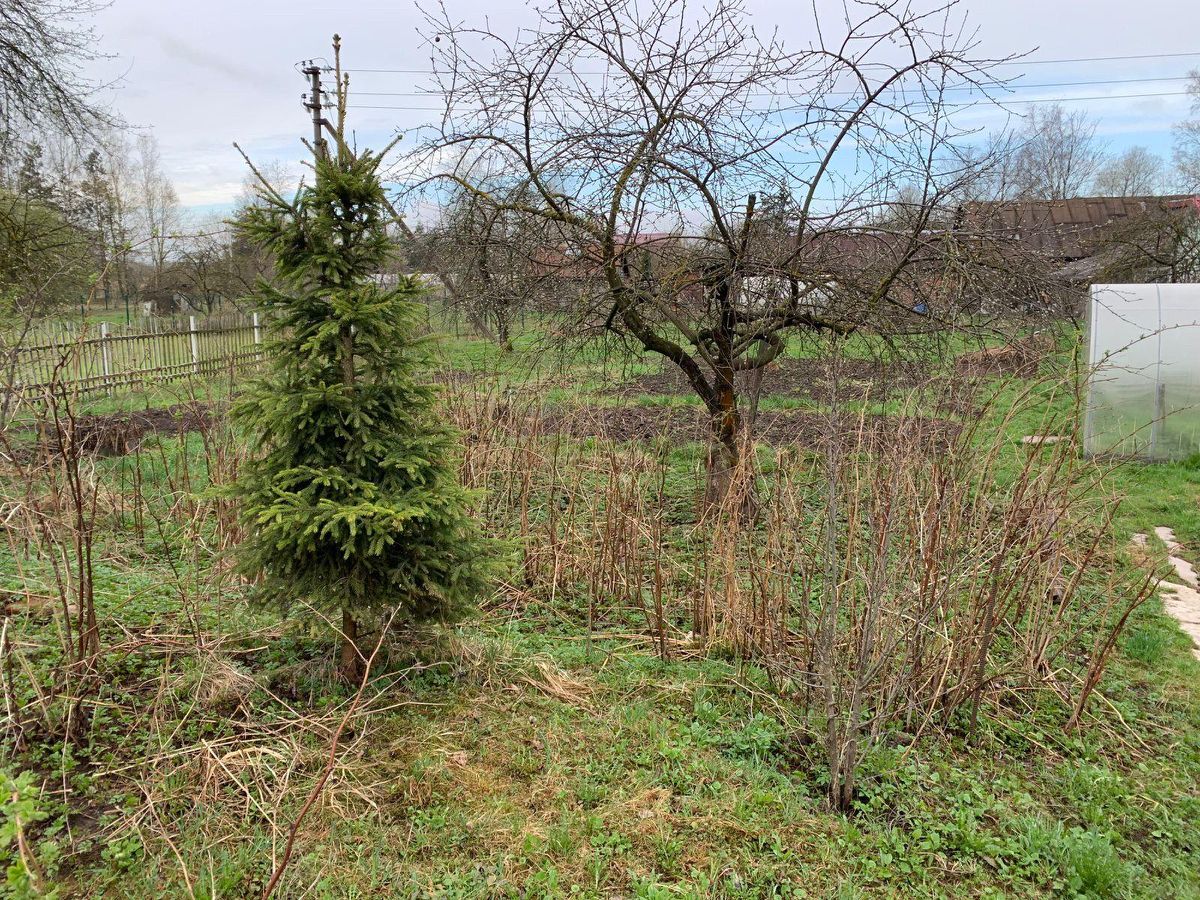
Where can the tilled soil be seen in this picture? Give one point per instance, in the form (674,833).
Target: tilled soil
(114,434)
(119,433)
(809,378)
(781,428)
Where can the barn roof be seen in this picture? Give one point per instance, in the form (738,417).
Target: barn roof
(1061,228)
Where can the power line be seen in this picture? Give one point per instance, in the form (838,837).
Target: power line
(998,101)
(962,87)
(1046,62)
(1016,62)
(1005,102)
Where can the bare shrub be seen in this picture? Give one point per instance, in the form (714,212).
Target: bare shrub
(59,490)
(50,515)
(887,584)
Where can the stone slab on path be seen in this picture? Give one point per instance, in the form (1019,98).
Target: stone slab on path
(1041,440)
(1180,600)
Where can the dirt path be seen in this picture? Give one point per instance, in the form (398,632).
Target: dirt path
(1181,598)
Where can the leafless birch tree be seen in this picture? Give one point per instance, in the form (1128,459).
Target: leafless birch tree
(1135,173)
(1057,153)
(1187,140)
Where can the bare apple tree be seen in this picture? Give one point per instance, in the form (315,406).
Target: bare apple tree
(46,46)
(628,120)
(487,255)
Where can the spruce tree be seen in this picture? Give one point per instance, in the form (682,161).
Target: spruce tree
(351,503)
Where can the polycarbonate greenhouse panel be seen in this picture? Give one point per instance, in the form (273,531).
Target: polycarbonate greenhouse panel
(1143,394)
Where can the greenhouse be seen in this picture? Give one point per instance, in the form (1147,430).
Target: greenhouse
(1143,396)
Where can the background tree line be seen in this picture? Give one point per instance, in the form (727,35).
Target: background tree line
(88,214)
(97,223)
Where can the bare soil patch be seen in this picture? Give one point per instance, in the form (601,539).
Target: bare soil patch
(780,428)
(1020,358)
(115,434)
(809,378)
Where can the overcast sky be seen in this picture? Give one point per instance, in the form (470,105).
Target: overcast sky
(202,75)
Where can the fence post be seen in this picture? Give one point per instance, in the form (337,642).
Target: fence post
(105,356)
(195,343)
(257,329)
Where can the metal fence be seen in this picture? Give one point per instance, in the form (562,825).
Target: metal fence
(103,357)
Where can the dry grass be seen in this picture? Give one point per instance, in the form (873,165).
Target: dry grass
(885,586)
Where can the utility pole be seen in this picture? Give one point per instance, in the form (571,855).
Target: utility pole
(314,104)
(350,659)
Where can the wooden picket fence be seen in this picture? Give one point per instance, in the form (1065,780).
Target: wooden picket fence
(105,358)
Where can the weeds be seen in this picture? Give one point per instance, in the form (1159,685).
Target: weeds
(885,583)
(940,639)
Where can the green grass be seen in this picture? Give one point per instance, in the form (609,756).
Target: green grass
(663,779)
(517,756)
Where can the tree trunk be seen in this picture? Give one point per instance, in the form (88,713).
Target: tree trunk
(722,465)
(503,333)
(843,765)
(730,467)
(730,484)
(349,661)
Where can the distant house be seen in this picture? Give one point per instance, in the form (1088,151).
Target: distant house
(680,270)
(576,260)
(168,294)
(432,284)
(1152,238)
(188,286)
(572,271)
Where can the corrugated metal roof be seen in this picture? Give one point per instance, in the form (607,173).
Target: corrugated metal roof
(1060,228)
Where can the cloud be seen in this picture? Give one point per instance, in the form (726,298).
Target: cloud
(204,74)
(208,61)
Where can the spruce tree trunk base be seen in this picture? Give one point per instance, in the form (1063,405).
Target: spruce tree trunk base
(349,660)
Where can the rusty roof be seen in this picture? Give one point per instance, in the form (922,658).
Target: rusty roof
(1065,229)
